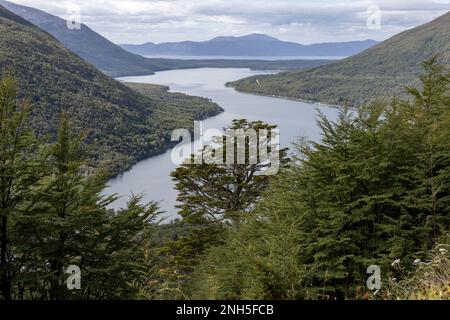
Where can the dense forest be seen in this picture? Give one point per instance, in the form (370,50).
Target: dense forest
(374,191)
(119,121)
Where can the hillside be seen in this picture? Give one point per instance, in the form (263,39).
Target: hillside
(250,45)
(120,121)
(379,71)
(87,44)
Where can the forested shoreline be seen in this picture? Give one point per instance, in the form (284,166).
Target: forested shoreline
(124,125)
(381,71)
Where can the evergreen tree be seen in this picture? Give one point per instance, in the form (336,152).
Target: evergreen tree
(216,194)
(219,190)
(70,224)
(19,171)
(427,197)
(374,189)
(260,258)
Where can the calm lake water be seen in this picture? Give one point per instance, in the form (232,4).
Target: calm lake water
(151,177)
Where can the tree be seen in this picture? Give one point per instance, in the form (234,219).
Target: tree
(216,189)
(114,257)
(232,182)
(19,172)
(375,189)
(70,224)
(426,114)
(260,258)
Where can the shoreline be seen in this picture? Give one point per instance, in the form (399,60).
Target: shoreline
(322,104)
(169,146)
(154,167)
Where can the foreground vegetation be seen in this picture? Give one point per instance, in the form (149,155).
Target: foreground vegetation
(430,281)
(52,215)
(374,191)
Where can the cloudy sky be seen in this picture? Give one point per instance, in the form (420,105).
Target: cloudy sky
(304,21)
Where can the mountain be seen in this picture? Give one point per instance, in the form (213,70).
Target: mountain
(126,126)
(86,43)
(117,62)
(250,45)
(382,70)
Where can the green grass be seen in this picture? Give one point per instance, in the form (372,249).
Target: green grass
(431,280)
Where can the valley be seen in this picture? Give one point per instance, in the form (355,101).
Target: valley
(151,177)
(115,61)
(323,172)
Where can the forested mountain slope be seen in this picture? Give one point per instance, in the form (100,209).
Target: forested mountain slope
(379,71)
(117,119)
(88,44)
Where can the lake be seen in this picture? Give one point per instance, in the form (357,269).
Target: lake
(151,177)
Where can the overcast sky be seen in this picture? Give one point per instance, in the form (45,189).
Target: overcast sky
(304,21)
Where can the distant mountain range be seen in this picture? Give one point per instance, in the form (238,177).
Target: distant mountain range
(117,62)
(252,45)
(382,70)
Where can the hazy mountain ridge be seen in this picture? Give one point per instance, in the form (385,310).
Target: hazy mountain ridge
(249,45)
(382,70)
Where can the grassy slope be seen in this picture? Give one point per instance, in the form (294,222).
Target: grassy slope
(379,71)
(120,121)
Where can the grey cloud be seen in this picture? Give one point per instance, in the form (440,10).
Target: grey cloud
(136,21)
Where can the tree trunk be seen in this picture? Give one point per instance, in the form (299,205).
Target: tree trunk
(5,284)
